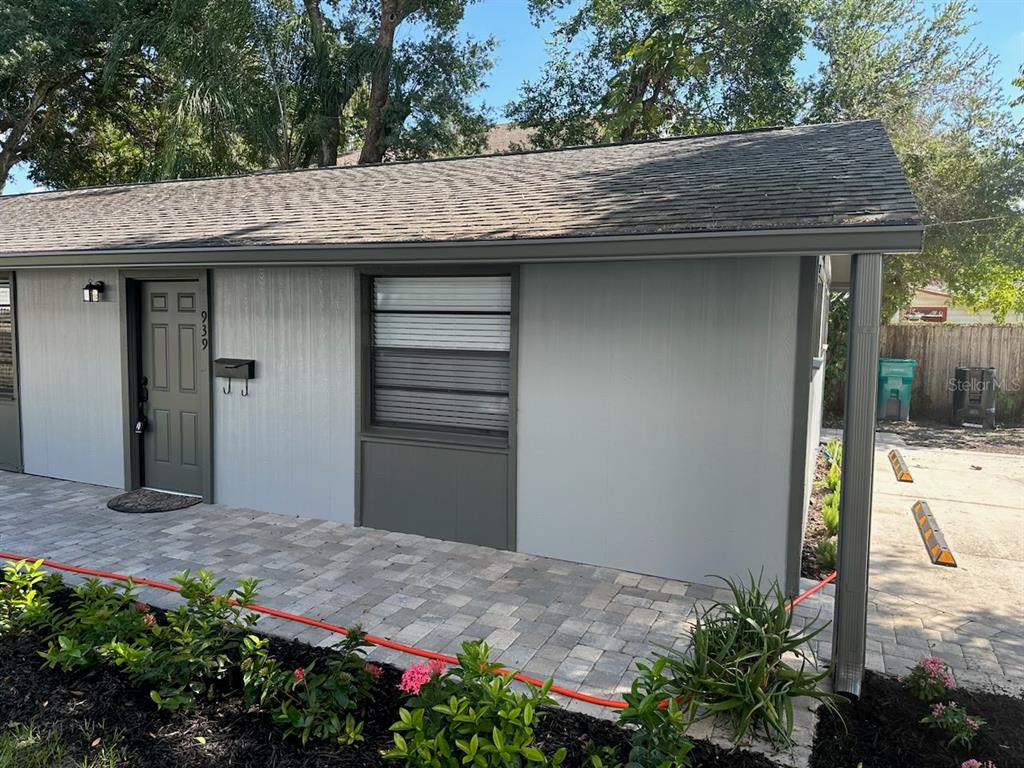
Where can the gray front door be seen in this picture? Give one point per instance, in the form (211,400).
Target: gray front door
(172,380)
(10,421)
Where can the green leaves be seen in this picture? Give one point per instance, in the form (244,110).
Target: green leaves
(736,664)
(310,704)
(25,590)
(471,716)
(624,70)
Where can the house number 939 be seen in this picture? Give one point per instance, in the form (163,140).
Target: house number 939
(204,332)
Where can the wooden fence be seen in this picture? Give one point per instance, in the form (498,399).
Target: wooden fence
(939,349)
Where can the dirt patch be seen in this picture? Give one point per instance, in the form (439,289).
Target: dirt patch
(883,729)
(815,530)
(100,704)
(938,435)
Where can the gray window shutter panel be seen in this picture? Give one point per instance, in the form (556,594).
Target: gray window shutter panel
(441,352)
(6,341)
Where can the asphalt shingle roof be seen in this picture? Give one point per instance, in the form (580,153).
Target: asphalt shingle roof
(836,175)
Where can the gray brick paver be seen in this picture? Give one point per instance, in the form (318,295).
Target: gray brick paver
(584,625)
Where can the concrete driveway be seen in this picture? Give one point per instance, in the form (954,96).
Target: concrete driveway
(973,615)
(978,501)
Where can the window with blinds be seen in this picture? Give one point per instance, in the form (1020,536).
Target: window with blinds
(440,352)
(6,341)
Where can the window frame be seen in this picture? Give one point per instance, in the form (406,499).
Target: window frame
(7,279)
(432,435)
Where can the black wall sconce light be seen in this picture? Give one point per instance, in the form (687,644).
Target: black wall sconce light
(93,292)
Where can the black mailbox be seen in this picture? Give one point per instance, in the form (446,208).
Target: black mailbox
(234,368)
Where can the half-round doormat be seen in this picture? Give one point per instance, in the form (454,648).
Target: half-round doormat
(146,500)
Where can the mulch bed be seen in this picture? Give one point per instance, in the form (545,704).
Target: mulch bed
(883,730)
(222,733)
(815,530)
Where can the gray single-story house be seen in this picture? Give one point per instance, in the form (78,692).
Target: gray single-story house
(607,354)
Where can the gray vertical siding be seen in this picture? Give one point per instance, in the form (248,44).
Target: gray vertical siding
(655,414)
(70,373)
(289,446)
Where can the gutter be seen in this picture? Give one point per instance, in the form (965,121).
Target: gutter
(804,242)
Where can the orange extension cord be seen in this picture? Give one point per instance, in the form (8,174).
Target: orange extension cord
(379,641)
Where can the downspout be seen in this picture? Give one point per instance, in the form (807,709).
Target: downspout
(850,626)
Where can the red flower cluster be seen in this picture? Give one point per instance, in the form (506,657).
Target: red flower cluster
(300,674)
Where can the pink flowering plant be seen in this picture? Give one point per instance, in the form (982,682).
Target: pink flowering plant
(313,701)
(469,715)
(930,680)
(972,763)
(954,720)
(418,675)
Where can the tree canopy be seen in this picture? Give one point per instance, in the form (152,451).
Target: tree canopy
(106,91)
(621,69)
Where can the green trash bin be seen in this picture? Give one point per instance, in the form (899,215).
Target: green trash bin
(895,377)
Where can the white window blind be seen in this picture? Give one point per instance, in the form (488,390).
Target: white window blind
(441,352)
(6,341)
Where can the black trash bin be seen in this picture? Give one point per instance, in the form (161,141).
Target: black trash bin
(974,397)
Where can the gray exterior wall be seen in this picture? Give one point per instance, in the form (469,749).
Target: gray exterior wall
(70,376)
(289,446)
(655,414)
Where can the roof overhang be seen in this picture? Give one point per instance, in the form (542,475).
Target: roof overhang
(835,241)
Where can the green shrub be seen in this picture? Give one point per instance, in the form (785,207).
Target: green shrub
(184,658)
(658,733)
(954,720)
(99,614)
(25,591)
(830,513)
(310,704)
(834,452)
(471,715)
(827,552)
(736,663)
(930,679)
(833,478)
(263,679)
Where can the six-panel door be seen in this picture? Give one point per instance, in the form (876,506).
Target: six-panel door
(171,346)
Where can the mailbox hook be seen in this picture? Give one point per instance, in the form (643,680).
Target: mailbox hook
(227,390)
(245,392)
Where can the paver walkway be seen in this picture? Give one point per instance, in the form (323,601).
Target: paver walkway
(972,616)
(585,626)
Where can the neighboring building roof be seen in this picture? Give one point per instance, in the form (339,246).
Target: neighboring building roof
(807,177)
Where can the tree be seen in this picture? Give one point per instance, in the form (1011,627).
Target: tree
(440,15)
(428,113)
(624,70)
(950,125)
(52,67)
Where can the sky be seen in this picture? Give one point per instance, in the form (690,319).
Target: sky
(521,55)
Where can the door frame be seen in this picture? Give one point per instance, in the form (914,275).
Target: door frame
(367,432)
(11,279)
(131,362)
